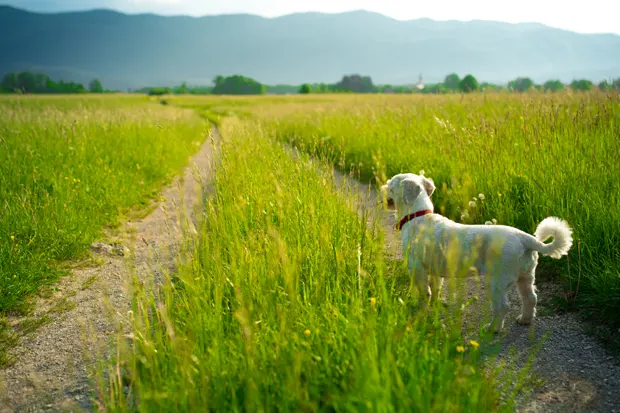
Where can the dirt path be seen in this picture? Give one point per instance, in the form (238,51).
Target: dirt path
(53,365)
(578,374)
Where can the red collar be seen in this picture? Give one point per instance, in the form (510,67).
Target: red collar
(409,217)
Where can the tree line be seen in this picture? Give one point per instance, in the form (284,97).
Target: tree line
(241,85)
(27,82)
(231,85)
(454,84)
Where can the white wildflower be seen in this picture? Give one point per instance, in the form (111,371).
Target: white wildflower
(472,204)
(440,122)
(481,196)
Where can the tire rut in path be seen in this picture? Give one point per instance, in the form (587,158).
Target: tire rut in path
(53,365)
(578,374)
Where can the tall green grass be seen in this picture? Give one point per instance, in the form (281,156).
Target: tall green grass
(70,166)
(530,156)
(286,304)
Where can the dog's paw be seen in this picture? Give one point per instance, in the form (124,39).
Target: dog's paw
(524,321)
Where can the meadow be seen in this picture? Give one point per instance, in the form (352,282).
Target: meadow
(529,155)
(284,299)
(287,304)
(70,167)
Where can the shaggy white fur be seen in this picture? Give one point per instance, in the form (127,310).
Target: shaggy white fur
(437,247)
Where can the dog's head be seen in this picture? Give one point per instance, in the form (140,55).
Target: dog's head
(404,189)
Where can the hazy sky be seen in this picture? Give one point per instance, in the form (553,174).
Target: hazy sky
(592,16)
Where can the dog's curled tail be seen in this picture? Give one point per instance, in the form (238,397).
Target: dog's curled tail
(562,237)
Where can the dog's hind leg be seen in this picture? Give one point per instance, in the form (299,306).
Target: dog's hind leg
(525,285)
(421,282)
(423,290)
(499,305)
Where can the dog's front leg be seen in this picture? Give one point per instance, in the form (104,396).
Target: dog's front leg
(421,282)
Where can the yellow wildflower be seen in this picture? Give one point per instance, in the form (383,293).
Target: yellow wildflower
(460,349)
(307,332)
(12,237)
(474,343)
(373,300)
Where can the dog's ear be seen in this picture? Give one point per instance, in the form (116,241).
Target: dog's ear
(429,186)
(411,190)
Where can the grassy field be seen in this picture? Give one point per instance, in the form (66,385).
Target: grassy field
(531,156)
(69,167)
(287,304)
(284,300)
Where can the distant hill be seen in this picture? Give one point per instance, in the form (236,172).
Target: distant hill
(139,50)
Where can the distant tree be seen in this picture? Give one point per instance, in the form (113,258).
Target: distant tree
(581,85)
(605,86)
(159,91)
(201,90)
(218,80)
(490,87)
(616,83)
(553,86)
(95,86)
(26,82)
(401,89)
(238,85)
(305,89)
(322,87)
(469,84)
(452,82)
(71,87)
(10,83)
(356,84)
(521,84)
(181,90)
(434,88)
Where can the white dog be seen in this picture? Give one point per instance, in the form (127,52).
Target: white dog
(437,247)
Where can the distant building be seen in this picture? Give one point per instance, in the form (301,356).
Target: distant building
(420,84)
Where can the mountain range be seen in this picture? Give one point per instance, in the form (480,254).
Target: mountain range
(136,50)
